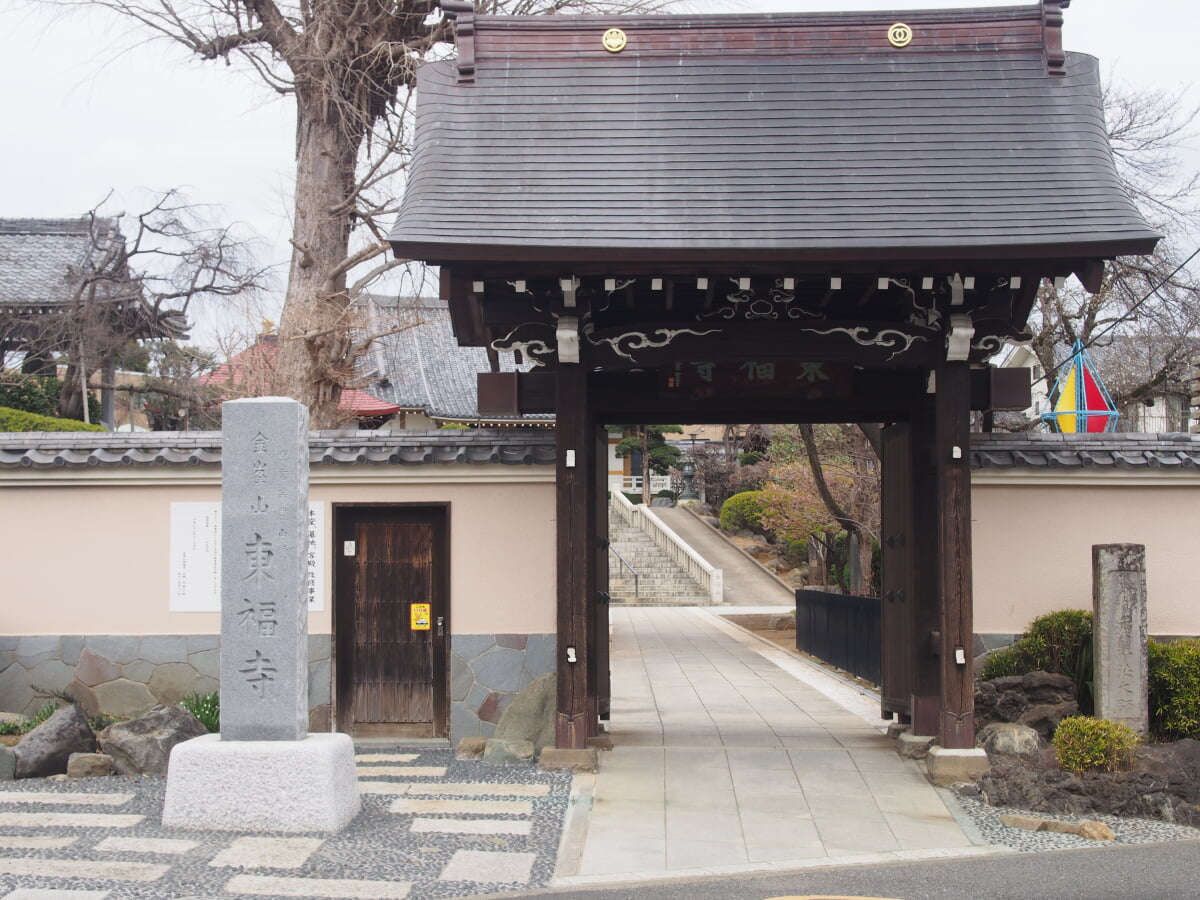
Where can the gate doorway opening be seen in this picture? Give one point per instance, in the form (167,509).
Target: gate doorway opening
(391,619)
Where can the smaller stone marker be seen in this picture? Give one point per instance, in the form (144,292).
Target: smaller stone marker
(1119,635)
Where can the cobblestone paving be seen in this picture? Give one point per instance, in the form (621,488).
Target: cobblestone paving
(430,827)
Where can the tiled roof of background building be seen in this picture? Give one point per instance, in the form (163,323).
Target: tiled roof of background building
(194,448)
(422,367)
(1076,451)
(36,256)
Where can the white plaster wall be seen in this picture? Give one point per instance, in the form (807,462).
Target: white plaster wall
(87,555)
(1032,548)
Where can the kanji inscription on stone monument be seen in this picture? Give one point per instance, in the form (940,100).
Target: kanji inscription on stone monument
(264,555)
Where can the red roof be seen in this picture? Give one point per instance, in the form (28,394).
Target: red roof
(250,373)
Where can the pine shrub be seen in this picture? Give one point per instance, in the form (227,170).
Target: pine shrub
(1084,744)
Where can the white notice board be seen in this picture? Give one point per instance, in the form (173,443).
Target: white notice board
(196,557)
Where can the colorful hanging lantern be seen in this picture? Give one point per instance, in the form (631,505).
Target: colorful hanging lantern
(1083,402)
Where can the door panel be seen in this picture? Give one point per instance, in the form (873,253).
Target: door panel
(390,667)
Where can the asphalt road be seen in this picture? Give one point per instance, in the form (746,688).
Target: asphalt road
(1128,872)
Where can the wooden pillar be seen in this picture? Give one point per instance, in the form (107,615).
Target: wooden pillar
(952,412)
(600,649)
(575,719)
(926,555)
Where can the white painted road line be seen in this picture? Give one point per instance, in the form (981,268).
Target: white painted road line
(318,887)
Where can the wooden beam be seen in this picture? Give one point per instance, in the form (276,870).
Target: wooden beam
(952,412)
(575,718)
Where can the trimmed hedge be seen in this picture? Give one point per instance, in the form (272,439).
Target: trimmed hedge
(16,420)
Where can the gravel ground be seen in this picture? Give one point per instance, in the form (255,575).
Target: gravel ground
(986,820)
(377,846)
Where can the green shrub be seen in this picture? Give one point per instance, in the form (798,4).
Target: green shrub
(1058,642)
(742,511)
(15,420)
(795,552)
(206,708)
(30,393)
(1175,689)
(1084,744)
(1009,661)
(750,457)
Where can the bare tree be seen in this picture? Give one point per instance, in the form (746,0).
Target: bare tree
(135,280)
(1147,312)
(350,68)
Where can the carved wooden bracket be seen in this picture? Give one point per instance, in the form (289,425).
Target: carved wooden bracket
(463,13)
(1052,22)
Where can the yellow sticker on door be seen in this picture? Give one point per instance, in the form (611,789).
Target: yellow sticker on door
(420,616)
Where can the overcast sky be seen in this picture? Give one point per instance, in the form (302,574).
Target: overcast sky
(89,107)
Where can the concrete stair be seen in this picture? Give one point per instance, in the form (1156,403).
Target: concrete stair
(660,582)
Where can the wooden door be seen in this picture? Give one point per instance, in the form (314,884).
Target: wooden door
(391,621)
(897,605)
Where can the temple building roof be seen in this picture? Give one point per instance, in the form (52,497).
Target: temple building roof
(800,138)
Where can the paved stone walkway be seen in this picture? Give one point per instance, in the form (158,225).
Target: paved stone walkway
(430,827)
(732,755)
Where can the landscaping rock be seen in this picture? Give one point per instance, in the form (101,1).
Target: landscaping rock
(1096,831)
(8,764)
(89,765)
(142,746)
(530,716)
(45,750)
(1164,784)
(471,748)
(508,752)
(1009,739)
(1040,700)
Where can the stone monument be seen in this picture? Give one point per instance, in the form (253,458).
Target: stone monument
(263,772)
(1119,634)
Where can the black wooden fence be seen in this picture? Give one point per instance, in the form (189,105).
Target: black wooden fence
(840,629)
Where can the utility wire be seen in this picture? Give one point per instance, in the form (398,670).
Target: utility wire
(1123,318)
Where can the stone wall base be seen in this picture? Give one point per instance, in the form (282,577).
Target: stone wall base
(270,786)
(124,675)
(487,671)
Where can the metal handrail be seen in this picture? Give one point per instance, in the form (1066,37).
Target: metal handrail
(629,566)
(710,579)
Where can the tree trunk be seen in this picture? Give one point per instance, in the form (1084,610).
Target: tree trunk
(315,356)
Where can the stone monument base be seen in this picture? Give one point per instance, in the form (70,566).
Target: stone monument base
(272,786)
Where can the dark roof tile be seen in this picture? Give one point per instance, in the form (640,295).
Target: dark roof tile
(808,153)
(1105,451)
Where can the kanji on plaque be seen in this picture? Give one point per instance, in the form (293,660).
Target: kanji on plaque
(749,379)
(421,613)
